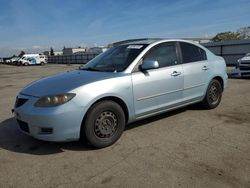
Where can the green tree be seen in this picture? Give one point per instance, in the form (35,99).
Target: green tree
(51,52)
(226,36)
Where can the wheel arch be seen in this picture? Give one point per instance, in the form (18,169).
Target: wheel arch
(217,77)
(115,99)
(220,79)
(118,101)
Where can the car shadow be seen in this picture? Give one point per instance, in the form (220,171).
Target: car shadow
(12,139)
(151,119)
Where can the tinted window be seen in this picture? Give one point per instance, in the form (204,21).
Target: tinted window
(192,53)
(165,54)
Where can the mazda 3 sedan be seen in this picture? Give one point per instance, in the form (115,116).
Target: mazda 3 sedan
(122,85)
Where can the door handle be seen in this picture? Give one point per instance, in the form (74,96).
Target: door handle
(175,73)
(204,68)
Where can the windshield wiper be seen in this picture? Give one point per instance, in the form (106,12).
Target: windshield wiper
(90,69)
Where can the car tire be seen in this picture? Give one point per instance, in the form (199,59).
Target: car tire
(42,63)
(213,95)
(104,124)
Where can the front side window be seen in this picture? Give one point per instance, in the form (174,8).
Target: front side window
(192,53)
(165,54)
(116,59)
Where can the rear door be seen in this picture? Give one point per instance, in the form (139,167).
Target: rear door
(196,69)
(158,89)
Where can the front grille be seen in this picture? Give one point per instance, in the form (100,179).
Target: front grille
(244,67)
(245,62)
(20,102)
(23,126)
(245,74)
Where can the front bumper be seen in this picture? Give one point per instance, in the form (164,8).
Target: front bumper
(240,73)
(59,124)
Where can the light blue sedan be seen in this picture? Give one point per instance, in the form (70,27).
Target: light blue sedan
(122,85)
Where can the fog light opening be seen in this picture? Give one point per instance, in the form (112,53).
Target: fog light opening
(46,130)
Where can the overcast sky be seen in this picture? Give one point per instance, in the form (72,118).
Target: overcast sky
(36,25)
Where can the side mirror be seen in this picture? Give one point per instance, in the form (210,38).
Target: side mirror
(149,64)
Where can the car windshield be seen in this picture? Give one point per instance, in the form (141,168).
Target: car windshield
(116,59)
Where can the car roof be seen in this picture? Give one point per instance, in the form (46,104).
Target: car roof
(143,41)
(152,42)
(157,40)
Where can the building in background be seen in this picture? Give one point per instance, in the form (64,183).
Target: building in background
(199,40)
(97,50)
(71,51)
(47,53)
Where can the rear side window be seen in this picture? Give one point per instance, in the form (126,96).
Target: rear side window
(165,54)
(192,53)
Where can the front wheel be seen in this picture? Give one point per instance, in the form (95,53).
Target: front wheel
(104,124)
(213,95)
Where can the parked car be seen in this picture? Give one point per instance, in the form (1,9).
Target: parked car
(8,61)
(32,59)
(242,68)
(122,85)
(14,60)
(26,61)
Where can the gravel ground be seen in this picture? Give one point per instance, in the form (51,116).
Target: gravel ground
(189,147)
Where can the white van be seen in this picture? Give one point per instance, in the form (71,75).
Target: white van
(33,59)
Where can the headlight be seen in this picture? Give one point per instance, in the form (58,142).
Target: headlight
(54,100)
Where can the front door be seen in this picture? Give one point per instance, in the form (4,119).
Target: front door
(156,90)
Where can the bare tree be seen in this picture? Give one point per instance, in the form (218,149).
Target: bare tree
(21,54)
(244,32)
(51,52)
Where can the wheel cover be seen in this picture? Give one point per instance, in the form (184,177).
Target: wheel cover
(214,93)
(106,125)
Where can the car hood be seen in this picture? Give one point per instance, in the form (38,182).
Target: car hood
(64,82)
(245,59)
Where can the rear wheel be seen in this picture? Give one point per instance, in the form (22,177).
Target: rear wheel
(42,63)
(213,95)
(104,124)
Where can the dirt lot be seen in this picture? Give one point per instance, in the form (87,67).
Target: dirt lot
(190,147)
